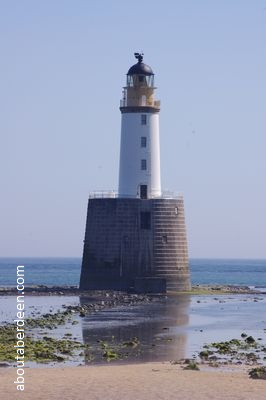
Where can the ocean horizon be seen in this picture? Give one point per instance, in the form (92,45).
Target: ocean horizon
(62,271)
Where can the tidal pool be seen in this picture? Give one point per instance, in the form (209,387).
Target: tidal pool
(168,328)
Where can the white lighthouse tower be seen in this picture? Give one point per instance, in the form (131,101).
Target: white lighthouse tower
(139,171)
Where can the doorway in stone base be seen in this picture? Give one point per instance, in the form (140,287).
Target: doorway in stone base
(144,191)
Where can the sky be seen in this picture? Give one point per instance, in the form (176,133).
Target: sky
(62,69)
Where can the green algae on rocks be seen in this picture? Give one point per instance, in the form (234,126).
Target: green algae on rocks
(192,365)
(246,350)
(42,350)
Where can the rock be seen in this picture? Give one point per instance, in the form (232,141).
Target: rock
(258,373)
(192,365)
(4,365)
(250,340)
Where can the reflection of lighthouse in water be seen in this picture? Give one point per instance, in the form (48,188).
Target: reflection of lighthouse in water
(160,327)
(136,239)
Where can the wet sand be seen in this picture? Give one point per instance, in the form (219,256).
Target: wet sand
(132,382)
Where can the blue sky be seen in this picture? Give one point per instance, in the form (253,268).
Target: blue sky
(63,65)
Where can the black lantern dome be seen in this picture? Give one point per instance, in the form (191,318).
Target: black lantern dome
(140,68)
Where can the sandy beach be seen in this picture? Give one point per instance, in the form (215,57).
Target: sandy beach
(132,382)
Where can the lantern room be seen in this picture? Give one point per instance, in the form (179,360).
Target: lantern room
(140,74)
(139,89)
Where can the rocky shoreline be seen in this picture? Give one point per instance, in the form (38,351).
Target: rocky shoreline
(43,290)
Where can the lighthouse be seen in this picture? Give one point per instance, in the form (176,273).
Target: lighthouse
(135,239)
(139,171)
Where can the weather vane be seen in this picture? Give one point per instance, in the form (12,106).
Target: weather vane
(139,56)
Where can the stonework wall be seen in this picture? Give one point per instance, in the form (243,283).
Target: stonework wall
(133,238)
(170,252)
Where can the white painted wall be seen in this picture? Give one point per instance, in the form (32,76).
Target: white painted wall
(131,153)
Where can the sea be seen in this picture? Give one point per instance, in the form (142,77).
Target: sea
(66,271)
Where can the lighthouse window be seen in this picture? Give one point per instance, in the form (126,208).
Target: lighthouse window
(143,141)
(145,220)
(143,119)
(130,80)
(143,164)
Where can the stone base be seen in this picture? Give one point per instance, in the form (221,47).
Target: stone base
(127,240)
(149,285)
